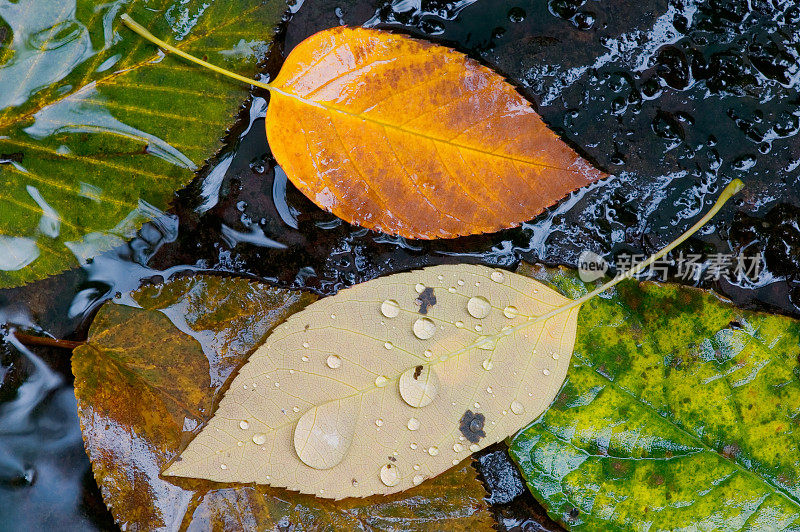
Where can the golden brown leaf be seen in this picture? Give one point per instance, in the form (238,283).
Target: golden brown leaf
(143,385)
(412,138)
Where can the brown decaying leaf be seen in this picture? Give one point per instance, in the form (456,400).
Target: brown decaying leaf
(389,383)
(143,386)
(412,138)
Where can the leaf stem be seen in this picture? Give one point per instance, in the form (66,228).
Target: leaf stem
(141,30)
(30,340)
(733,187)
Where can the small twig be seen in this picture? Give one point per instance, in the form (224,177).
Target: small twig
(30,340)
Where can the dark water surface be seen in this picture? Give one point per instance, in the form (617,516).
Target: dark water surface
(673,98)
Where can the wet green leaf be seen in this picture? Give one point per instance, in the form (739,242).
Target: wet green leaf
(149,378)
(98,129)
(679,412)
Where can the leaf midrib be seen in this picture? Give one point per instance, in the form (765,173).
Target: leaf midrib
(389,125)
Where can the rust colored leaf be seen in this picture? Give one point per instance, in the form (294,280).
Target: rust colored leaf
(149,378)
(413,139)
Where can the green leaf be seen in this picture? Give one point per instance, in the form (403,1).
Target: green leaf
(98,129)
(679,412)
(150,377)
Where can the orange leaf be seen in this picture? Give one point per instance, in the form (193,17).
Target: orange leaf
(412,138)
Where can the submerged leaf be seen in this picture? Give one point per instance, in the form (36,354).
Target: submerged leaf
(98,131)
(679,412)
(353,397)
(141,396)
(412,138)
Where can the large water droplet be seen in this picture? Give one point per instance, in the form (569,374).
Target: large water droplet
(413,424)
(497,276)
(424,328)
(380,381)
(334,362)
(510,312)
(260,439)
(517,407)
(420,288)
(390,475)
(323,434)
(390,308)
(433,451)
(479,307)
(419,386)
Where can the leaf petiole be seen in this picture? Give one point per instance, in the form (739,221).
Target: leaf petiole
(733,187)
(141,30)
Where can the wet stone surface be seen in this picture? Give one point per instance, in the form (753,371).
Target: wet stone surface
(673,98)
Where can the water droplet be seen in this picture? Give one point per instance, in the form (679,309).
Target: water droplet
(418,386)
(487,364)
(334,362)
(420,288)
(424,328)
(223,466)
(388,345)
(417,480)
(459,324)
(260,439)
(244,425)
(477,404)
(295,409)
(478,328)
(380,381)
(239,443)
(440,277)
(304,358)
(390,475)
(461,282)
(354,482)
(497,276)
(555,356)
(458,447)
(416,467)
(277,384)
(488,345)
(390,308)
(489,389)
(306,345)
(379,422)
(474,447)
(323,434)
(428,353)
(413,424)
(452,289)
(479,307)
(433,451)
(333,316)
(413,445)
(517,407)
(510,312)
(546,372)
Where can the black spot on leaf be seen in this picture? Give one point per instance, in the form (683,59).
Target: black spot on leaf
(417,372)
(426,300)
(472,426)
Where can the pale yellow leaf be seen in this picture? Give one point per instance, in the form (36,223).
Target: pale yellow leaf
(388,383)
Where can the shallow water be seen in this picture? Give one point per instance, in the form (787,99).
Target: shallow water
(673,98)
